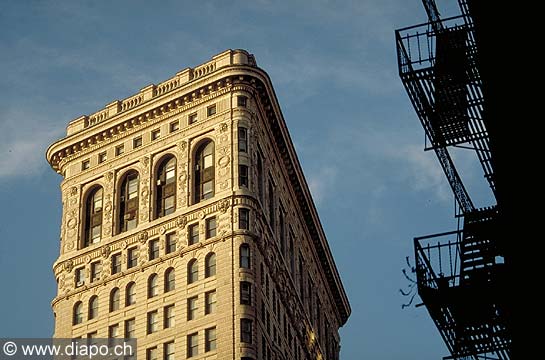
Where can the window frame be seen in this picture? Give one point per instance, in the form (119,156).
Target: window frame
(210,231)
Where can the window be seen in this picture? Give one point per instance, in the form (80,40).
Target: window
(168,316)
(93,307)
(155,134)
(245,256)
(245,293)
(301,277)
(152,322)
(242,100)
(170,280)
(192,308)
(96,271)
(130,328)
(174,126)
(192,271)
(165,190)
(128,202)
(210,265)
(244,218)
(210,227)
(271,204)
(243,176)
(170,243)
(93,217)
(193,233)
(192,118)
(168,350)
(153,249)
(246,331)
(119,150)
(78,313)
(80,277)
(132,257)
(113,331)
(130,294)
(291,253)
(137,142)
(153,289)
(260,178)
(204,171)
(210,339)
(116,263)
(85,164)
(211,110)
(114,299)
(151,353)
(192,345)
(281,215)
(242,139)
(210,302)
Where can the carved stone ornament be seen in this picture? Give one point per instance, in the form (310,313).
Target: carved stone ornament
(68,265)
(181,221)
(143,236)
(73,191)
(162,230)
(224,161)
(223,127)
(105,251)
(223,206)
(109,175)
(182,145)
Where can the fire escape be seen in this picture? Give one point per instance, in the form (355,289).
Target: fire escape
(461,273)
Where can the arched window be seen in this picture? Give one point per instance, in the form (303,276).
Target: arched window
(128,202)
(165,190)
(93,307)
(245,256)
(192,271)
(130,294)
(78,313)
(204,171)
(93,217)
(170,280)
(210,265)
(153,289)
(114,299)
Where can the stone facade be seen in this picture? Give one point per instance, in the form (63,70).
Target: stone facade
(247,267)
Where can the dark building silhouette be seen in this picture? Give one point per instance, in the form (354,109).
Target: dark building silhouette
(463,276)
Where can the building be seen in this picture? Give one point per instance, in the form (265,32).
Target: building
(188,224)
(464,277)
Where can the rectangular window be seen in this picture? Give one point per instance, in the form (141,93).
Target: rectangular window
(271,205)
(132,257)
(211,110)
(168,350)
(170,243)
(210,302)
(96,270)
(246,331)
(152,322)
(119,149)
(244,218)
(130,328)
(282,225)
(210,339)
(174,126)
(245,293)
(155,134)
(168,316)
(102,157)
(192,118)
(242,139)
(80,277)
(192,344)
(242,100)
(153,249)
(210,227)
(151,353)
(85,164)
(243,175)
(192,308)
(116,263)
(113,331)
(193,234)
(137,142)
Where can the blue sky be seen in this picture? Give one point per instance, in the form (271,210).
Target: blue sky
(333,66)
